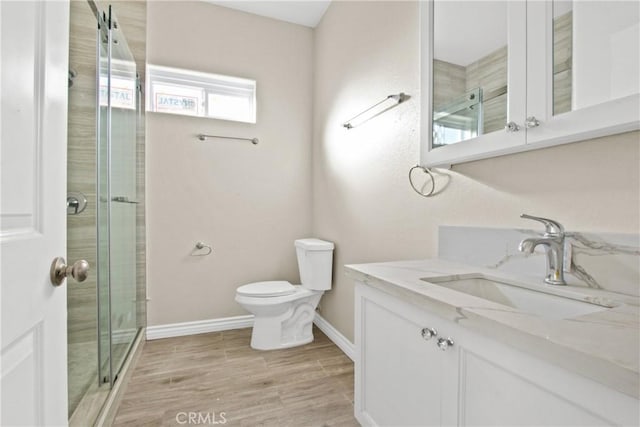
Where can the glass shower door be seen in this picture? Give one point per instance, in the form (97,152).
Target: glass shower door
(117,123)
(103,204)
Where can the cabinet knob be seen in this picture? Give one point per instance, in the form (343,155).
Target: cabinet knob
(531,122)
(512,127)
(428,333)
(445,343)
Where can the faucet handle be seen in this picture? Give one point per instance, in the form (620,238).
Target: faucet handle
(552,227)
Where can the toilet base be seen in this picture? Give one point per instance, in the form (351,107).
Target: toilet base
(257,345)
(291,329)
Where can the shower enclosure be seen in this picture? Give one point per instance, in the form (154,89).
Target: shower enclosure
(105,218)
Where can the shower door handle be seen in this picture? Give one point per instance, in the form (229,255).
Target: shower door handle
(60,270)
(123,199)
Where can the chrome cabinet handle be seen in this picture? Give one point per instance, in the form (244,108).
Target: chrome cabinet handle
(444,343)
(428,333)
(512,127)
(531,122)
(60,270)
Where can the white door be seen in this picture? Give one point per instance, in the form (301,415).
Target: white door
(33,146)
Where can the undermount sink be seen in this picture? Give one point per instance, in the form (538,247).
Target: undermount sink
(541,302)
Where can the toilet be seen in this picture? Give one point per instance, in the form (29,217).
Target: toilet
(284,312)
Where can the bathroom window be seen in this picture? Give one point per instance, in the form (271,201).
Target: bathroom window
(193,93)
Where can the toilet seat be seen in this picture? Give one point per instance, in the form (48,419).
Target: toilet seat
(275,288)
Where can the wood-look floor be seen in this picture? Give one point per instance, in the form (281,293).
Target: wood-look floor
(215,373)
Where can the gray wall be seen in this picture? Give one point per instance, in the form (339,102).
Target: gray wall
(249,202)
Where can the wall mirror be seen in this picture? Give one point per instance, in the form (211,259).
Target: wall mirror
(595,52)
(500,77)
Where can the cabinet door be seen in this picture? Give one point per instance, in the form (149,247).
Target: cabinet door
(582,69)
(499,385)
(473,75)
(403,380)
(398,373)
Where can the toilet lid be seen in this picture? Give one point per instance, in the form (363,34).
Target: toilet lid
(267,289)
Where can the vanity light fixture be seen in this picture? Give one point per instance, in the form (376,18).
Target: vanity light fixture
(376,110)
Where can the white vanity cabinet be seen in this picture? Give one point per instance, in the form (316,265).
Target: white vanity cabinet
(403,379)
(510,76)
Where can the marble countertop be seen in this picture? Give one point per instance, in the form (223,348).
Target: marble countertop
(603,346)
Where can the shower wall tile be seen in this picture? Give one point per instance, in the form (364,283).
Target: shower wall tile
(81,175)
(449,82)
(495,113)
(490,73)
(562,62)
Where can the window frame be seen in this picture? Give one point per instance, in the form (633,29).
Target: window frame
(210,84)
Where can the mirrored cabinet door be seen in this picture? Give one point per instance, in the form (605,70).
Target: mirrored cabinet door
(501,77)
(583,75)
(476,69)
(470,64)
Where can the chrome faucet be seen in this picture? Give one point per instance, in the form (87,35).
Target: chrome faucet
(553,243)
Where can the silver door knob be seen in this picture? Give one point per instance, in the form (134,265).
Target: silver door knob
(60,270)
(531,122)
(428,333)
(444,343)
(512,127)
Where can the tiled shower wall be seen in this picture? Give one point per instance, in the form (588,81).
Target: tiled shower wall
(562,62)
(81,156)
(451,81)
(81,175)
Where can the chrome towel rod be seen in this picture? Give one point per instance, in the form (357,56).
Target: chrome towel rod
(203,137)
(398,97)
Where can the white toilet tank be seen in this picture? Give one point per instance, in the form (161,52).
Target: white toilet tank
(315,262)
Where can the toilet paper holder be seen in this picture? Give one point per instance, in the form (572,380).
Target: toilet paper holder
(201,246)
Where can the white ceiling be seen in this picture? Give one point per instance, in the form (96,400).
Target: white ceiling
(466,31)
(302,12)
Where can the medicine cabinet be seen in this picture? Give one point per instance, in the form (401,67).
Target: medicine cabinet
(501,77)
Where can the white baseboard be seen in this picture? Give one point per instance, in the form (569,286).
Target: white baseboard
(199,327)
(238,322)
(334,335)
